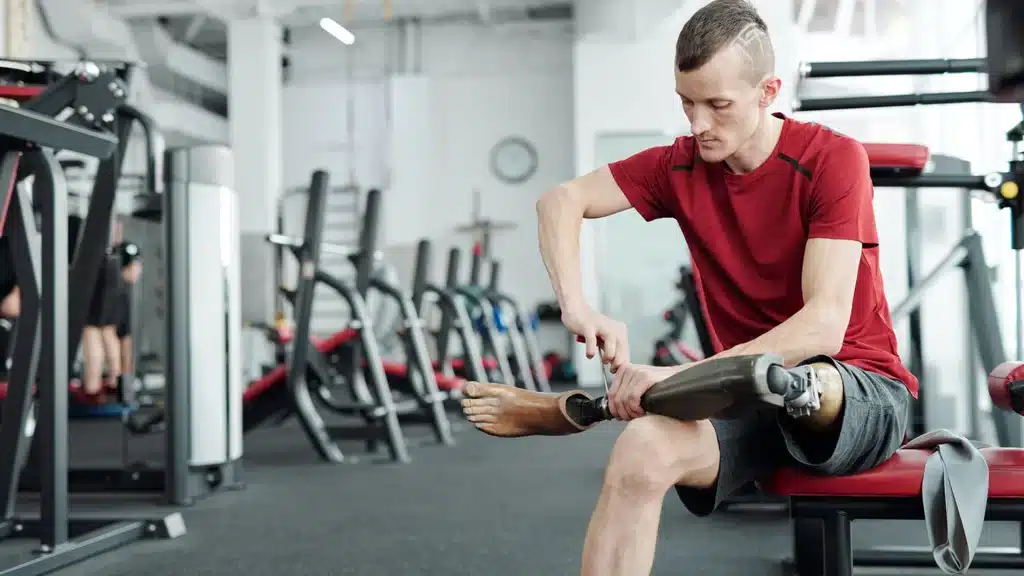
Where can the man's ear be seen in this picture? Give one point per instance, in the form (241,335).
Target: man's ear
(770,90)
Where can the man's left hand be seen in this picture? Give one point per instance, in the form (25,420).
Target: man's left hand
(631,382)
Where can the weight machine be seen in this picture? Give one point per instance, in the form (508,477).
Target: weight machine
(43,342)
(904,166)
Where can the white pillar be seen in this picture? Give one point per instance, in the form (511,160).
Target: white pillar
(254,113)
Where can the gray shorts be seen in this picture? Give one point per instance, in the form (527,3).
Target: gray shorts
(875,414)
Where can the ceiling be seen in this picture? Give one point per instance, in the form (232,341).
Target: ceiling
(202,23)
(298,12)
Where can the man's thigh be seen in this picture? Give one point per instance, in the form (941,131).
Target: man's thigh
(872,425)
(750,447)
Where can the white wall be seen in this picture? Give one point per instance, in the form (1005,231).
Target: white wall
(478,85)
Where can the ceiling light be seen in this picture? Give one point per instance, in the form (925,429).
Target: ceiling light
(338,31)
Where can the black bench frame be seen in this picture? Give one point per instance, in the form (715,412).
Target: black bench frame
(822,544)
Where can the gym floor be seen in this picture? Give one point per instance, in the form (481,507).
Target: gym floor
(486,507)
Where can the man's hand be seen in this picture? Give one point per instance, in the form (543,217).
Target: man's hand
(598,331)
(631,382)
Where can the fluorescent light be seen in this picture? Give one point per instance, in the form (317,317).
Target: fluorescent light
(337,30)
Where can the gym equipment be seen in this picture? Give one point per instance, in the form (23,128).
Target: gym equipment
(523,338)
(670,350)
(902,165)
(41,344)
(322,364)
(457,317)
(416,378)
(823,507)
(482,310)
(200,360)
(454,316)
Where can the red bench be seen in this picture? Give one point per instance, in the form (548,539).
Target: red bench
(823,507)
(326,346)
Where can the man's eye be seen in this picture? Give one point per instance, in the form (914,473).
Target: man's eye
(720,105)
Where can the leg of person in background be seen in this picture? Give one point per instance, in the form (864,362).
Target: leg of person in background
(92,360)
(112,352)
(93,346)
(10,305)
(131,272)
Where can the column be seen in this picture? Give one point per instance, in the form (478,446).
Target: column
(254,115)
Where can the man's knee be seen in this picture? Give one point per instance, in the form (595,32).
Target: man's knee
(654,453)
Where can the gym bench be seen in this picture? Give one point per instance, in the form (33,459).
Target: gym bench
(823,508)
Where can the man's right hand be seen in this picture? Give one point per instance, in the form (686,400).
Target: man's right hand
(598,331)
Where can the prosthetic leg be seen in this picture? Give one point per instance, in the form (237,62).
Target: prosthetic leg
(721,388)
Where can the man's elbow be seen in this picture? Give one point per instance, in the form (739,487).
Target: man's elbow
(832,325)
(558,199)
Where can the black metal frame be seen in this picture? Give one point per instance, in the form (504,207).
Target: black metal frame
(179,484)
(40,357)
(426,404)
(454,316)
(525,348)
(476,298)
(821,534)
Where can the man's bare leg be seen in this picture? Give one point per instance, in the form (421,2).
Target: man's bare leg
(112,352)
(10,305)
(92,352)
(127,356)
(651,456)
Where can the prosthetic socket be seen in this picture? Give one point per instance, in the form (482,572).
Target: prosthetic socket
(720,388)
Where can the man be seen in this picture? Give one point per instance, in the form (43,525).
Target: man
(779,221)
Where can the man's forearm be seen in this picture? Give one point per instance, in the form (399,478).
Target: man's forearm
(808,333)
(559,220)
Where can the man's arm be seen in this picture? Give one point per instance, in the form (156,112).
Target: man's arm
(829,280)
(560,214)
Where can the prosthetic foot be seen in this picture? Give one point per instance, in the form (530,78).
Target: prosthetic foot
(510,412)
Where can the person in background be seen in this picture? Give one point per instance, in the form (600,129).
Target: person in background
(131,272)
(107,335)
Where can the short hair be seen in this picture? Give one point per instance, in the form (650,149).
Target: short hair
(720,24)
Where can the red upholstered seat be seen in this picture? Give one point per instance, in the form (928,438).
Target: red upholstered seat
(899,477)
(906,157)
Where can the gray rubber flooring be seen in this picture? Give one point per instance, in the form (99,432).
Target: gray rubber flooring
(486,507)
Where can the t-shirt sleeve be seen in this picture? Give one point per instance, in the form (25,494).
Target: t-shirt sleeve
(841,195)
(644,179)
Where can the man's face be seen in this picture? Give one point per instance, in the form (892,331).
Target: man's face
(722,104)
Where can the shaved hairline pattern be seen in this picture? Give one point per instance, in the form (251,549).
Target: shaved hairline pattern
(756,47)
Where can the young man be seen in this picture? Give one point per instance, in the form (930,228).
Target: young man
(778,217)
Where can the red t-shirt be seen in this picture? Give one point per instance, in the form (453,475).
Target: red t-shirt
(747,233)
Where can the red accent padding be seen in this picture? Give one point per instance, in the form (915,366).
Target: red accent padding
(900,477)
(333,342)
(20,91)
(999,383)
(903,157)
(278,374)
